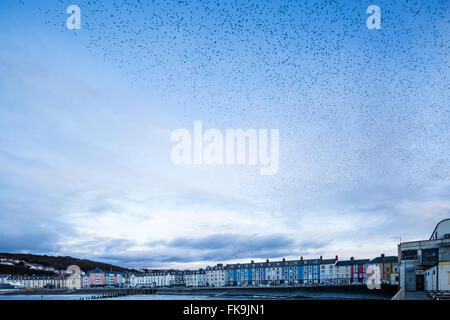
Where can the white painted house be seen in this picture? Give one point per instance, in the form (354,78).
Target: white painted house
(327,270)
(195,278)
(215,276)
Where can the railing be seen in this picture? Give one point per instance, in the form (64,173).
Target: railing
(444,257)
(400,295)
(432,260)
(439,295)
(428,260)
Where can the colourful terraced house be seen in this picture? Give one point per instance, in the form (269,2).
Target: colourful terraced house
(388,266)
(100,278)
(274,273)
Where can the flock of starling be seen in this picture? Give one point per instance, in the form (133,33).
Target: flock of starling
(298,63)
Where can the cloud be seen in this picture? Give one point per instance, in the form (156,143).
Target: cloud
(226,241)
(213,248)
(104,207)
(34,228)
(104,245)
(33,241)
(313,244)
(85,156)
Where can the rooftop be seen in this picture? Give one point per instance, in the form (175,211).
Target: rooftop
(384,259)
(352,262)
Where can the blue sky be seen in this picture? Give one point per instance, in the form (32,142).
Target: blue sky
(86,118)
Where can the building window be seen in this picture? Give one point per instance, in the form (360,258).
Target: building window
(409,255)
(429,255)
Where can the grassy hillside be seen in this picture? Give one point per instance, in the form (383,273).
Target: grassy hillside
(23,271)
(62,263)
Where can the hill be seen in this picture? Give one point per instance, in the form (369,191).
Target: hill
(61,263)
(23,271)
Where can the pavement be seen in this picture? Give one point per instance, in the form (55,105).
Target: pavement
(416,295)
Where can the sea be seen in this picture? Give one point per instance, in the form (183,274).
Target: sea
(162,296)
(135,297)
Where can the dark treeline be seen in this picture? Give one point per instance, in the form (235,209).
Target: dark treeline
(59,263)
(23,271)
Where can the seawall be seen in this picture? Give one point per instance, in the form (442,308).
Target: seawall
(319,292)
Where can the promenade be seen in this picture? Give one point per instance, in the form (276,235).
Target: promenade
(416,295)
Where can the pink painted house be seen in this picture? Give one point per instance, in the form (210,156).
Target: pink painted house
(96,278)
